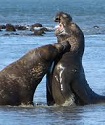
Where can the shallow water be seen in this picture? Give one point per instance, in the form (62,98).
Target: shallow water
(11,48)
(87,14)
(88,115)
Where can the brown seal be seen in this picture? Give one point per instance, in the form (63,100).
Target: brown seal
(66,82)
(19,80)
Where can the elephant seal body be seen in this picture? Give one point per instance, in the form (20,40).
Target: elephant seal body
(66,82)
(19,80)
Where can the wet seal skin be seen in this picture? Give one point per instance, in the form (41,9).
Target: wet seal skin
(66,82)
(19,80)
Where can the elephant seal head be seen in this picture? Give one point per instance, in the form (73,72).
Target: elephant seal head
(63,19)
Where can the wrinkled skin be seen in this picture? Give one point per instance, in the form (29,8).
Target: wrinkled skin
(19,80)
(66,82)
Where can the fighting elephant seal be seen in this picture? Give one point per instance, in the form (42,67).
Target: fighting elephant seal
(66,82)
(19,80)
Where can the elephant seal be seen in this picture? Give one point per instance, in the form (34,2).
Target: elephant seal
(19,80)
(66,82)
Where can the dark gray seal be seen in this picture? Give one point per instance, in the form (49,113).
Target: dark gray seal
(66,82)
(19,80)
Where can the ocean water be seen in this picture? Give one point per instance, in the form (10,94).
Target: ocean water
(90,16)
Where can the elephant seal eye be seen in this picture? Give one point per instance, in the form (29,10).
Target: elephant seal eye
(57,19)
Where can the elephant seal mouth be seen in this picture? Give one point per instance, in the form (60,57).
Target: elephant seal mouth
(60,30)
